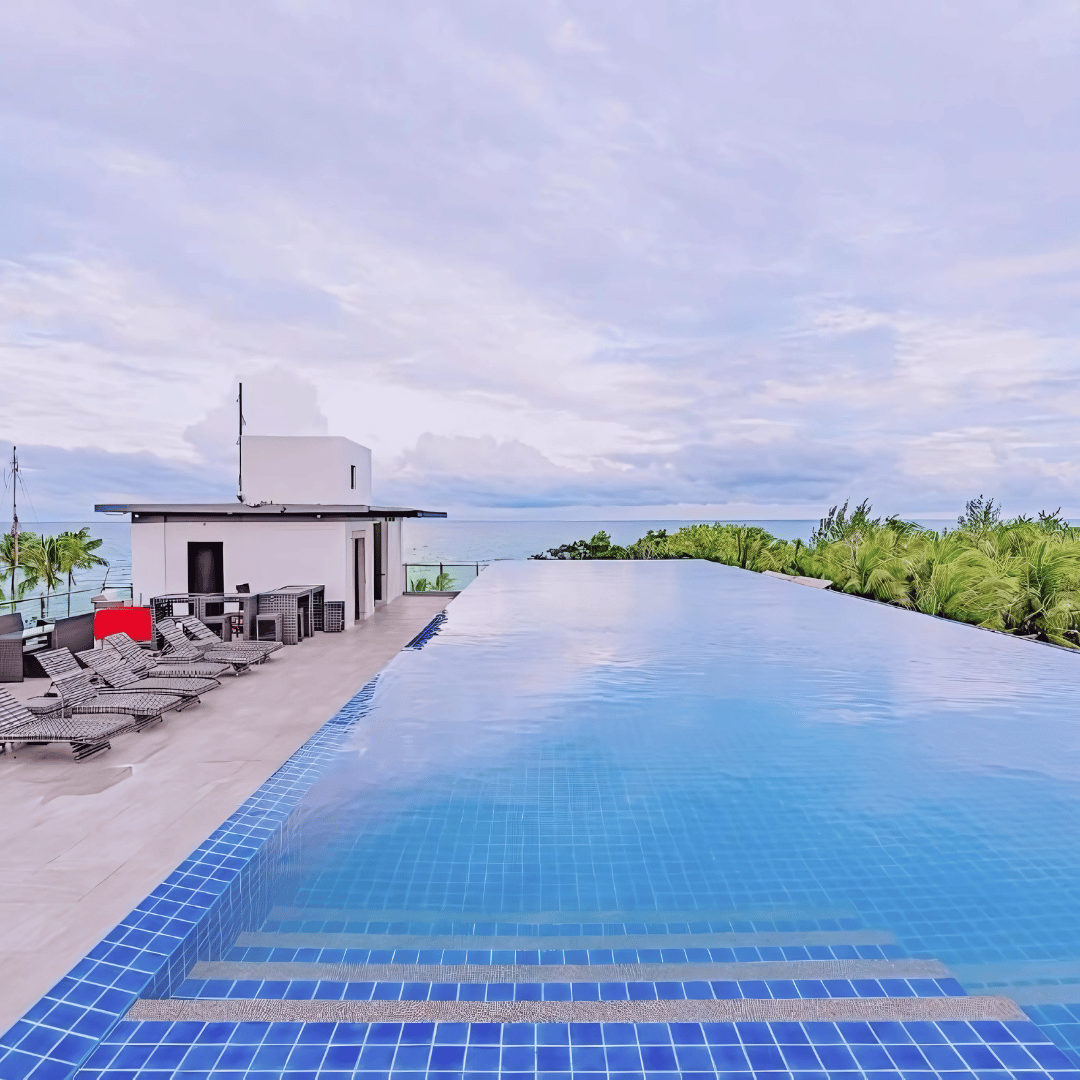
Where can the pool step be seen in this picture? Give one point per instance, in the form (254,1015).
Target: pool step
(1027,982)
(543,1012)
(730,940)
(561,973)
(766,980)
(843,919)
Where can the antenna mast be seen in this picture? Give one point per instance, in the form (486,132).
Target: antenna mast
(240,445)
(14,518)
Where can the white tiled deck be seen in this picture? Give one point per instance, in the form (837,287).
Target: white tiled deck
(84,842)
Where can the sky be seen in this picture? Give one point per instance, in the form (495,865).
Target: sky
(655,258)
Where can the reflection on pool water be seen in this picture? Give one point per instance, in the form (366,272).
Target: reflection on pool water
(679,768)
(683,736)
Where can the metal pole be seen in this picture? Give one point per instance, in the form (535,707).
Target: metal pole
(240,446)
(14,518)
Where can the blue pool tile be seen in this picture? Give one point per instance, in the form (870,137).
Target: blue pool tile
(1049,1056)
(764,1058)
(836,1058)
(871,1057)
(658,1058)
(552,1058)
(856,1031)
(800,1057)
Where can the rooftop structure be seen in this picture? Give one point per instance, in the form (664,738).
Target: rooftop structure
(306,518)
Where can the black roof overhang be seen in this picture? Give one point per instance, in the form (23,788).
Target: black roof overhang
(156,512)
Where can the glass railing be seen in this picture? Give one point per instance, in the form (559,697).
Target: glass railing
(440,577)
(58,605)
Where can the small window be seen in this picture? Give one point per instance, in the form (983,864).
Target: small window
(352,477)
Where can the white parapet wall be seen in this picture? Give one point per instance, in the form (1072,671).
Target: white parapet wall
(318,469)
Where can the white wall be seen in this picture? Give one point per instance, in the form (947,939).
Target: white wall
(148,560)
(267,555)
(306,469)
(395,571)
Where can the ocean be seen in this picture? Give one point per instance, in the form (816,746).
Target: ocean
(426,540)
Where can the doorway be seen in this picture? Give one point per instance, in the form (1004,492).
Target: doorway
(377,541)
(359,580)
(205,568)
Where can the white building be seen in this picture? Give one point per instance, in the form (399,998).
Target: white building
(305,520)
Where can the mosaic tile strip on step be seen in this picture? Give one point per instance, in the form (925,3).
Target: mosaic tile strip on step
(141,1051)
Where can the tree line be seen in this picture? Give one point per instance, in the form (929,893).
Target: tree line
(45,560)
(1021,575)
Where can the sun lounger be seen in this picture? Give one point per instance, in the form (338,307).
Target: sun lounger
(201,634)
(85,736)
(143,662)
(79,697)
(59,663)
(114,673)
(178,644)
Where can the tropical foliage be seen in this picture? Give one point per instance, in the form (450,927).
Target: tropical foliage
(48,561)
(443,582)
(1021,576)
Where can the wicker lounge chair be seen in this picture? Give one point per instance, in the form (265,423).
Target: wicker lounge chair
(178,644)
(59,663)
(111,669)
(142,662)
(201,634)
(79,697)
(85,737)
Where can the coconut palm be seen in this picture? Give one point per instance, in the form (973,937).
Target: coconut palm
(873,567)
(43,560)
(1047,603)
(950,578)
(76,552)
(19,572)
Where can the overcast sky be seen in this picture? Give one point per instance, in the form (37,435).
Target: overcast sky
(732,259)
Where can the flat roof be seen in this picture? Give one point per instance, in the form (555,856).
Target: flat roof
(306,511)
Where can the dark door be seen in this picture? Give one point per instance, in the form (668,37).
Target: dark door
(205,568)
(376,531)
(358,578)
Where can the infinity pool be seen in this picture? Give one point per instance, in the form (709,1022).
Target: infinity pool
(632,778)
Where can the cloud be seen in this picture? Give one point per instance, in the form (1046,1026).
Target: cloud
(64,484)
(771,254)
(276,402)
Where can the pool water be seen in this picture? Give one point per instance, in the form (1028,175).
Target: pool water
(618,782)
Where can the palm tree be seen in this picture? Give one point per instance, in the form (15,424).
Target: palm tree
(1047,602)
(76,552)
(43,559)
(870,563)
(950,578)
(23,567)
